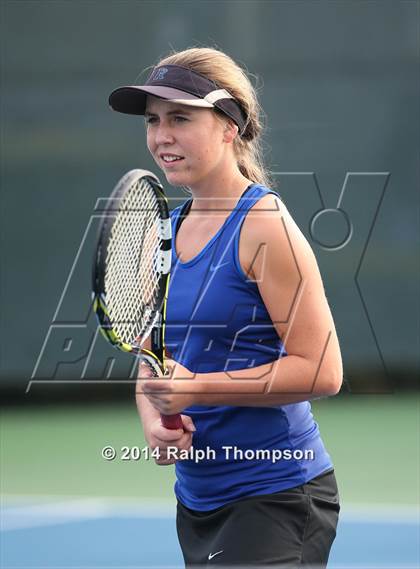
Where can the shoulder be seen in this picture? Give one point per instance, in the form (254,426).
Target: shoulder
(270,234)
(268,214)
(267,204)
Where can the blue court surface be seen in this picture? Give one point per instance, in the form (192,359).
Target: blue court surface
(95,532)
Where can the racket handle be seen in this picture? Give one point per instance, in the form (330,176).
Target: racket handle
(168,421)
(172,421)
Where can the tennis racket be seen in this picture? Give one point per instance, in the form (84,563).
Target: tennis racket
(131,271)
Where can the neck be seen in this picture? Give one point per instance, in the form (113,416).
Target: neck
(220,194)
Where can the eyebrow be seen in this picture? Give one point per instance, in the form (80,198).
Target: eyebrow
(179,111)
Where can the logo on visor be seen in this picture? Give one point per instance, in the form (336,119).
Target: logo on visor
(160,73)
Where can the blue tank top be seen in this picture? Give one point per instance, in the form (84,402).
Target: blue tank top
(216,321)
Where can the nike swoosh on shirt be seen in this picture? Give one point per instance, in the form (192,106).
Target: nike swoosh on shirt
(211,555)
(216,267)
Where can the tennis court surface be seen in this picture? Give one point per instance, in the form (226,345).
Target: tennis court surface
(64,506)
(100,533)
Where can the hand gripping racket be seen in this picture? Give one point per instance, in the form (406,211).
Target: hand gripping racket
(131,271)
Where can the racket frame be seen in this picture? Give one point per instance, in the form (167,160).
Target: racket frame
(155,326)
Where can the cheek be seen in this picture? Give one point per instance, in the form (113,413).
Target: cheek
(210,151)
(150,142)
(206,145)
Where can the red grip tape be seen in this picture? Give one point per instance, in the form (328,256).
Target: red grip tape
(172,422)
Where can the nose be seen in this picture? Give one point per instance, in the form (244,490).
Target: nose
(163,134)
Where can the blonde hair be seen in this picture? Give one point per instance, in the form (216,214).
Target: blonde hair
(220,68)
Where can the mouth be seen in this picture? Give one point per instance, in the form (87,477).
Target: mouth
(170,159)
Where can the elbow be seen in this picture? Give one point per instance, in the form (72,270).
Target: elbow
(331,384)
(334,387)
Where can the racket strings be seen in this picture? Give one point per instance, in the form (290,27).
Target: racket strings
(133,258)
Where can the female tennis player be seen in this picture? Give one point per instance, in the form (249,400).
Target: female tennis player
(249,331)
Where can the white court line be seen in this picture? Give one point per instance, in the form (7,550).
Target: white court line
(22,515)
(24,512)
(380,513)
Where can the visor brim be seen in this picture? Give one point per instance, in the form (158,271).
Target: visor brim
(132,99)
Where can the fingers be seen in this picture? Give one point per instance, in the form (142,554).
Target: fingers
(145,372)
(170,453)
(166,435)
(188,424)
(158,403)
(164,461)
(162,404)
(157,386)
(183,442)
(156,391)
(169,365)
(171,456)
(155,395)
(178,439)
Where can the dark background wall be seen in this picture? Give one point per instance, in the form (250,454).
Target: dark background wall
(339,82)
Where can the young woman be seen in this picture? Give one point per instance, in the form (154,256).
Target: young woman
(249,329)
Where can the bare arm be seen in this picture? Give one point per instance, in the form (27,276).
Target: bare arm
(281,261)
(278,257)
(156,435)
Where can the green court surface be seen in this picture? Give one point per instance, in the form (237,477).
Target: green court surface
(56,450)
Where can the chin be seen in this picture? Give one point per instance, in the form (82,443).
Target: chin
(177,179)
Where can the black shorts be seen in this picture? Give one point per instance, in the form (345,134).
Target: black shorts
(292,528)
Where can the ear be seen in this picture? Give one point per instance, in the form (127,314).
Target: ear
(230,132)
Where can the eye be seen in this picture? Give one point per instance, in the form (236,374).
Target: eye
(150,120)
(179,118)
